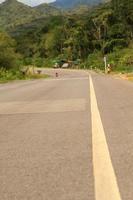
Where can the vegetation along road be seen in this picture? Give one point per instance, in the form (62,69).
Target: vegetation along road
(67,138)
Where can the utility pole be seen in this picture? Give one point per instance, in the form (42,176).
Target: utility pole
(105,62)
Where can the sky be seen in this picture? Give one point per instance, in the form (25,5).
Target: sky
(32,2)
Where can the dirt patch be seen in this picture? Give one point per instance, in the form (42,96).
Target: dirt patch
(126,76)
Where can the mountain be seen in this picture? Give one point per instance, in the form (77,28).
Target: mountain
(80,10)
(48,9)
(14,13)
(67,4)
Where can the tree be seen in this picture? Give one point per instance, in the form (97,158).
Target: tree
(7,51)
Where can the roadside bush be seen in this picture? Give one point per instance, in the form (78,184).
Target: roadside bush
(27,61)
(38,62)
(122,60)
(48,63)
(95,61)
(6,75)
(8,57)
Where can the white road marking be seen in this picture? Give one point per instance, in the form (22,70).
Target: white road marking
(106,187)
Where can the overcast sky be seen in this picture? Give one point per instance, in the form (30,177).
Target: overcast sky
(33,2)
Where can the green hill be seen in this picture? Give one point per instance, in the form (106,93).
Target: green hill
(14,13)
(85,33)
(47,9)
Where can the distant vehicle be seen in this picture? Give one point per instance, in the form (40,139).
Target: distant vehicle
(59,63)
(65,65)
(56,65)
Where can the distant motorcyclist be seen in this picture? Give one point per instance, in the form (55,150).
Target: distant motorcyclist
(56,74)
(109,68)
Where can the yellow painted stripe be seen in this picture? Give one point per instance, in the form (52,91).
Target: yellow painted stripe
(106,187)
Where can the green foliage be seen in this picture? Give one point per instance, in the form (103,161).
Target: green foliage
(73,36)
(123,9)
(95,61)
(48,10)
(8,56)
(27,61)
(85,33)
(122,60)
(14,13)
(38,62)
(114,44)
(117,31)
(8,75)
(48,63)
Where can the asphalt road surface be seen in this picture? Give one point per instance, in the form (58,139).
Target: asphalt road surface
(67,138)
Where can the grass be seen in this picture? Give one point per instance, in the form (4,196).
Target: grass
(11,75)
(37,76)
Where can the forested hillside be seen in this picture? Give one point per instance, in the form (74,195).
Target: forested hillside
(47,9)
(14,13)
(85,34)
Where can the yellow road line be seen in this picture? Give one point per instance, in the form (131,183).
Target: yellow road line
(106,187)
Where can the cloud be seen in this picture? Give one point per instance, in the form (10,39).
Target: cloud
(32,2)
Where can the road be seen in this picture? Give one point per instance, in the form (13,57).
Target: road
(67,138)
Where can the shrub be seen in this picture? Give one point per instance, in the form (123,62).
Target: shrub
(6,75)
(94,61)
(48,63)
(38,62)
(122,60)
(8,57)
